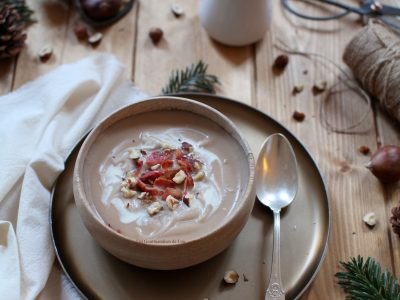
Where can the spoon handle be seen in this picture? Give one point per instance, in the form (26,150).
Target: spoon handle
(274,290)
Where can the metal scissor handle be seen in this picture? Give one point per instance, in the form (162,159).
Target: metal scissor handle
(367,8)
(287,6)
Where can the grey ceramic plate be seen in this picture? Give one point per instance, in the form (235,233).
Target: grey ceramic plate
(305,230)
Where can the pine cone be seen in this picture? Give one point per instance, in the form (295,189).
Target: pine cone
(395,219)
(12,39)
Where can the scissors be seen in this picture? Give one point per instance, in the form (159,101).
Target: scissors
(367,8)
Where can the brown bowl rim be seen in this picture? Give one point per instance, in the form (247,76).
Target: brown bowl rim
(239,208)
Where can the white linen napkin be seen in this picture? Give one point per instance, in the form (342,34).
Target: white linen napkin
(39,125)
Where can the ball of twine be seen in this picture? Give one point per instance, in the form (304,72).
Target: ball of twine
(374,57)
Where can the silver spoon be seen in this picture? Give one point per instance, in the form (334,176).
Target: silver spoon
(276,186)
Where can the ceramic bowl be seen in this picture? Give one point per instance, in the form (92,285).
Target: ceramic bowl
(171,255)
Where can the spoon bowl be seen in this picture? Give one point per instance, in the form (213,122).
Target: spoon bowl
(276,173)
(276,187)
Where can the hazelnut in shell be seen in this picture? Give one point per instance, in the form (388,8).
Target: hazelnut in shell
(81,32)
(281,62)
(156,35)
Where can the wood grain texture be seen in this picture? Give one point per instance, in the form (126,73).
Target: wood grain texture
(6,75)
(184,43)
(246,75)
(352,189)
(55,28)
(50,30)
(118,39)
(389,134)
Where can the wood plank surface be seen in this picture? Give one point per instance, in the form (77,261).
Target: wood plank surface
(49,30)
(246,75)
(389,134)
(55,28)
(184,43)
(118,39)
(353,190)
(6,75)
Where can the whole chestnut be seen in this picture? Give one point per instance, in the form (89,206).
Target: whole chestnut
(101,9)
(385,164)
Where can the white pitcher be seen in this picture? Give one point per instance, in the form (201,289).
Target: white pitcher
(236,22)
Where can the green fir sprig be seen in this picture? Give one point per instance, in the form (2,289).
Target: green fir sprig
(191,79)
(23,10)
(365,280)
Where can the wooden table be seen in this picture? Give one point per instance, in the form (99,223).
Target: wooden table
(246,75)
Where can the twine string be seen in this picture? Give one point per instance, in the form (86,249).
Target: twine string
(374,57)
(343,78)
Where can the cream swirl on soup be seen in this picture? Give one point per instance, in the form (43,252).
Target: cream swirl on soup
(166,180)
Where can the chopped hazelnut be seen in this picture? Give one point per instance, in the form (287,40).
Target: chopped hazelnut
(370,219)
(179,177)
(197,166)
(128,193)
(187,199)
(320,86)
(172,202)
(95,38)
(45,53)
(187,147)
(298,88)
(129,182)
(155,167)
(231,277)
(177,10)
(134,154)
(132,182)
(198,176)
(167,146)
(143,195)
(154,208)
(124,183)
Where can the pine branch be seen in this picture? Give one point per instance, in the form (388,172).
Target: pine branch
(23,10)
(365,281)
(191,79)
